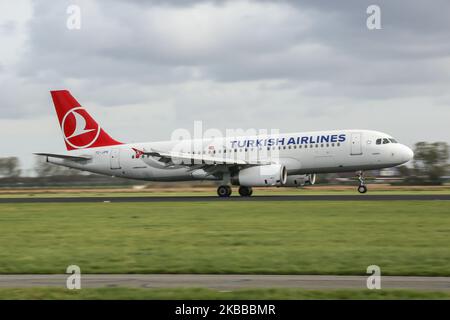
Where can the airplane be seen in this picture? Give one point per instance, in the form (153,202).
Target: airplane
(280,160)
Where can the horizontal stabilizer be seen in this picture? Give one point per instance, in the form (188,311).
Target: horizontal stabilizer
(64,156)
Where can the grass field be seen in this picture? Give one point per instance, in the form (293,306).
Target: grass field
(403,238)
(208,294)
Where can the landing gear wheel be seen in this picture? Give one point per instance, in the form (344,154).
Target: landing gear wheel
(362,185)
(245,191)
(362,189)
(224,191)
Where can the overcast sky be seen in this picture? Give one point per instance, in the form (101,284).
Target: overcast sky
(146,68)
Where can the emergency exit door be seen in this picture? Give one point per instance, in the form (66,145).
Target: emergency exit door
(115,158)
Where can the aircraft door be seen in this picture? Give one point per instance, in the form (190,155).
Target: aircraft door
(356,147)
(115,158)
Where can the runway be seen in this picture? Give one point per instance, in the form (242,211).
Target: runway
(225,282)
(356,197)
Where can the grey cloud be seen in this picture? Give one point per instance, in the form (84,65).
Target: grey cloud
(8,27)
(122,42)
(318,42)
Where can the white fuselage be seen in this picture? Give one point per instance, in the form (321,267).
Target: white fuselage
(300,153)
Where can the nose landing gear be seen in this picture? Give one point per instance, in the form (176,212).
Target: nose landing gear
(362,185)
(362,189)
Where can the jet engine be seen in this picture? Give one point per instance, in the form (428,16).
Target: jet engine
(261,176)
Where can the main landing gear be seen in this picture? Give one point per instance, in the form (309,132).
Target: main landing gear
(245,191)
(225,191)
(362,185)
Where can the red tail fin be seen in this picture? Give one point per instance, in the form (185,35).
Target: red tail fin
(80,130)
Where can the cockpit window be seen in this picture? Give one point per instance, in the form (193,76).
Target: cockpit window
(385,140)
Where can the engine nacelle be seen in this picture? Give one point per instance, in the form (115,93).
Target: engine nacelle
(300,180)
(261,176)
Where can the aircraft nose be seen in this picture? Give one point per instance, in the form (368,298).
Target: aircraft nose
(406,153)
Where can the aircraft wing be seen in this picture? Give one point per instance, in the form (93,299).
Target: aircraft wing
(188,158)
(64,156)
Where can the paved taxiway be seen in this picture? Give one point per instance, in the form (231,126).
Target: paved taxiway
(356,197)
(225,282)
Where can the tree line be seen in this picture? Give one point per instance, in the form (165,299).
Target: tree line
(10,168)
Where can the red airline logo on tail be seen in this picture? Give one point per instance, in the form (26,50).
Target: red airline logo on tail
(76,131)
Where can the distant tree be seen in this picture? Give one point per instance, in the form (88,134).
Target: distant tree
(431,159)
(10,167)
(44,169)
